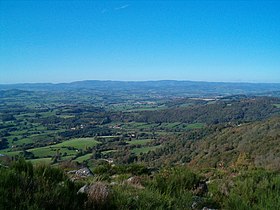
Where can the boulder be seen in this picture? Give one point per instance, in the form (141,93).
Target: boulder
(83,189)
(83,172)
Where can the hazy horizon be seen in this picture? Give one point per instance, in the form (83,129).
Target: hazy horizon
(89,80)
(67,41)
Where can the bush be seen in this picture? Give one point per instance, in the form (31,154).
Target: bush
(98,196)
(256,189)
(24,187)
(175,181)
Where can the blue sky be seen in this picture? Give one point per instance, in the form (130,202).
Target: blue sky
(64,41)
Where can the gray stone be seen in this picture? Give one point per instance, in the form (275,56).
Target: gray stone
(205,208)
(83,172)
(83,189)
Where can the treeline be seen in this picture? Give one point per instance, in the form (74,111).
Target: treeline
(235,111)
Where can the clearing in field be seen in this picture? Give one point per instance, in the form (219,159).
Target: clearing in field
(79,143)
(137,151)
(139,142)
(41,161)
(83,158)
(67,148)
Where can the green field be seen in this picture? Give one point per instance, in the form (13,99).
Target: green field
(9,153)
(83,158)
(66,116)
(20,141)
(170,125)
(139,125)
(277,105)
(79,143)
(139,142)
(63,148)
(135,107)
(195,125)
(41,161)
(108,151)
(50,151)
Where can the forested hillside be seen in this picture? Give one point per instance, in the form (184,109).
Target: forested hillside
(252,144)
(225,110)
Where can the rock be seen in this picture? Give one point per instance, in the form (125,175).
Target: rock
(83,172)
(194,205)
(197,202)
(113,183)
(79,174)
(205,208)
(83,189)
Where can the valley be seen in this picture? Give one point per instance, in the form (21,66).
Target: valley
(158,139)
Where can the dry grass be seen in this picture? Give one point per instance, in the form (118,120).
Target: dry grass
(98,195)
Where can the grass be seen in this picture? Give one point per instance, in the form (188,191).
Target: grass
(170,125)
(41,160)
(136,107)
(195,125)
(137,151)
(20,141)
(43,152)
(139,125)
(83,158)
(108,151)
(9,153)
(105,137)
(186,105)
(139,142)
(277,105)
(28,140)
(66,116)
(48,113)
(79,143)
(49,151)
(145,109)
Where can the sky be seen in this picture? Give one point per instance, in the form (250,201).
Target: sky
(73,40)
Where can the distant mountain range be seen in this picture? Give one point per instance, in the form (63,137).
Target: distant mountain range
(163,87)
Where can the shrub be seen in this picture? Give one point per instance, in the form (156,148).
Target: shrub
(175,181)
(24,187)
(257,189)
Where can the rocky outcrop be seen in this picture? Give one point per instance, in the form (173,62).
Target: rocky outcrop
(83,172)
(80,174)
